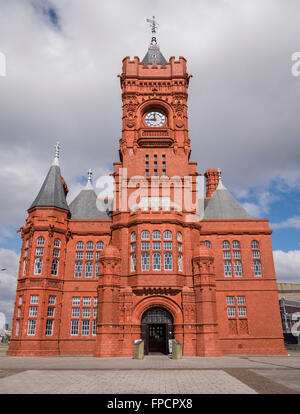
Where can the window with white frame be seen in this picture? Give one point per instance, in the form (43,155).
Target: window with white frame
(180,265)
(56,243)
(179,236)
(241,300)
(235,244)
(38,264)
(168,261)
(133,236)
(86,312)
(31,326)
(75,312)
(99,245)
(255,254)
(50,311)
(156,245)
(242,311)
(226,254)
(227,268)
(79,245)
(231,311)
(87,300)
(88,269)
(76,301)
(90,245)
(156,261)
(145,261)
(236,254)
(145,235)
(133,247)
(74,327)
(89,255)
(54,267)
(79,255)
(51,300)
(34,299)
(226,245)
(49,327)
(167,245)
(167,235)
(39,251)
(133,262)
(78,269)
(145,245)
(95,312)
(19,311)
(230,300)
(56,252)
(257,268)
(156,235)
(254,244)
(40,241)
(97,269)
(33,310)
(26,252)
(94,327)
(238,270)
(95,301)
(179,247)
(98,255)
(85,327)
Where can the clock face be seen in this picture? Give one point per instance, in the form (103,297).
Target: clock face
(155,119)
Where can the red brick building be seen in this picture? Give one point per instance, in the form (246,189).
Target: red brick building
(159,263)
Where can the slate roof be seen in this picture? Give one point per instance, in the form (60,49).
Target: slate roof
(223,205)
(84,206)
(154,56)
(52,191)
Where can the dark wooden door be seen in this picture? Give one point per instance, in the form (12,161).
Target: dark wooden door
(157,338)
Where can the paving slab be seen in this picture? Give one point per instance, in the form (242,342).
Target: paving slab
(288,377)
(124,382)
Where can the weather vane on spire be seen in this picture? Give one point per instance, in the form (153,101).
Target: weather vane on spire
(153,25)
(56,157)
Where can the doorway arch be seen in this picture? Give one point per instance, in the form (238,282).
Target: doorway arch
(157,330)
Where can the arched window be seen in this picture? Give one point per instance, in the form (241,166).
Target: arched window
(54,267)
(97,267)
(145,235)
(156,265)
(79,245)
(168,261)
(238,270)
(133,236)
(180,266)
(57,243)
(24,266)
(99,245)
(226,245)
(207,243)
(78,269)
(254,244)
(227,268)
(167,235)
(90,245)
(257,268)
(38,263)
(156,235)
(235,244)
(88,269)
(133,262)
(179,236)
(40,241)
(145,261)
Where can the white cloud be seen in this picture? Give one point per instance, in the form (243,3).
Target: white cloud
(287,265)
(262,206)
(9,261)
(292,222)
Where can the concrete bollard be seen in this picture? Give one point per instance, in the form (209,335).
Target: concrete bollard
(138,349)
(176,350)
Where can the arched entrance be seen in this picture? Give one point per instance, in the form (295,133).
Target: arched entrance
(157,329)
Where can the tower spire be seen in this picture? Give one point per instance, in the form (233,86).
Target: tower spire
(154,55)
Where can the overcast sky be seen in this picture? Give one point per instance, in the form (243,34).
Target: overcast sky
(62,62)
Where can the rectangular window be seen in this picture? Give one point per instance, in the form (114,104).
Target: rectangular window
(86,312)
(89,255)
(76,301)
(20,300)
(167,245)
(49,327)
(156,245)
(17,328)
(179,247)
(34,299)
(226,254)
(147,173)
(50,312)
(94,327)
(155,173)
(31,327)
(133,247)
(85,327)
(230,312)
(95,301)
(75,312)
(255,253)
(236,254)
(33,311)
(242,311)
(241,300)
(95,312)
(74,327)
(230,300)
(145,245)
(51,300)
(87,301)
(39,251)
(19,311)
(79,255)
(56,252)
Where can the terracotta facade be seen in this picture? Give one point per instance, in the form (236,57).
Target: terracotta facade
(171,271)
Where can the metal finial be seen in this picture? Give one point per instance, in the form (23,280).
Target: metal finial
(219,172)
(90,173)
(89,182)
(153,25)
(56,156)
